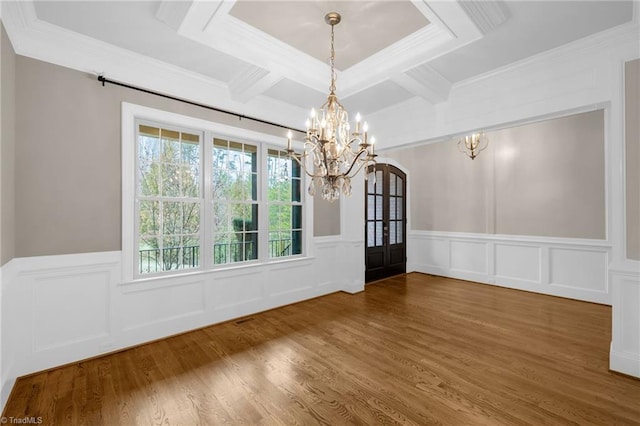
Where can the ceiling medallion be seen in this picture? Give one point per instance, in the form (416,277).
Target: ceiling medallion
(333,154)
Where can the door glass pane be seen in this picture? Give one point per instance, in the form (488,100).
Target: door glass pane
(378,234)
(379,182)
(392,184)
(399,238)
(392,207)
(371,234)
(399,208)
(371,207)
(400,183)
(371,183)
(379,206)
(392,232)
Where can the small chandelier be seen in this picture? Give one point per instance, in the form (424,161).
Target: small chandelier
(472,145)
(333,154)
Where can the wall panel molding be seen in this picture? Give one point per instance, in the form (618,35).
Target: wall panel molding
(66,308)
(564,267)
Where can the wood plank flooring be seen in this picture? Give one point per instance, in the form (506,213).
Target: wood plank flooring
(412,350)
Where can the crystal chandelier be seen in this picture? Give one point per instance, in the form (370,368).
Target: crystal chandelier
(333,154)
(472,145)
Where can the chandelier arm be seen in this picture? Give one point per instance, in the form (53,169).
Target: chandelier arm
(353,162)
(362,164)
(298,157)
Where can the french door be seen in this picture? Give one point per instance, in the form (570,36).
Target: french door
(385,222)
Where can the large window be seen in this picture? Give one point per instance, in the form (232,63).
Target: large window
(168,195)
(285,205)
(203,200)
(235,201)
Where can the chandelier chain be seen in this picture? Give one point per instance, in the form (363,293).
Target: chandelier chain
(332,88)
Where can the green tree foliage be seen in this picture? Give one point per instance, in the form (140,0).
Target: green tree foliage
(169,192)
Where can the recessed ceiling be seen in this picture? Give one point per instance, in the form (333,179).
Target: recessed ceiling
(388,52)
(366,26)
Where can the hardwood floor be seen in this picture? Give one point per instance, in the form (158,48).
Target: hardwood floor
(414,349)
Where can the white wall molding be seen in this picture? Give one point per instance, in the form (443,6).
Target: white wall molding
(565,267)
(252,82)
(575,76)
(425,81)
(61,309)
(625,343)
(486,15)
(34,38)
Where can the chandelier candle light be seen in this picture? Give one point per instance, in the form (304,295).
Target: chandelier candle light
(333,154)
(472,145)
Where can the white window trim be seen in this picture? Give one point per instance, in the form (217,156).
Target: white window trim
(131,113)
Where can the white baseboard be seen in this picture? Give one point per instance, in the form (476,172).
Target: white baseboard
(625,334)
(624,362)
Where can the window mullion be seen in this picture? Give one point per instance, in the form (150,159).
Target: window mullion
(263,206)
(206,222)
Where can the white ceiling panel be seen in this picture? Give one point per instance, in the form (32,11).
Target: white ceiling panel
(366,26)
(533,27)
(376,98)
(295,93)
(387,51)
(133,25)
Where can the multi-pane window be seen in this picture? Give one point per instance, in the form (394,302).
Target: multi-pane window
(285,206)
(235,201)
(199,205)
(168,192)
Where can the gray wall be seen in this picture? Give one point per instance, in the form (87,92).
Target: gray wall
(7,149)
(68,172)
(544,179)
(326,217)
(632,153)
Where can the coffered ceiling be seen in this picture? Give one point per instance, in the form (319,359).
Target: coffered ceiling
(387,52)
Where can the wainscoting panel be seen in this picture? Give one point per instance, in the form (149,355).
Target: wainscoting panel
(467,256)
(558,266)
(61,309)
(70,308)
(518,262)
(243,288)
(578,268)
(145,308)
(433,253)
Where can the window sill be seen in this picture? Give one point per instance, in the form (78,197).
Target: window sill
(187,277)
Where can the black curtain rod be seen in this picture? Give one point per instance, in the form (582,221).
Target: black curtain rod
(104,80)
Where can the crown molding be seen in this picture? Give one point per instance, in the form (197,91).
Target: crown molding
(252,82)
(486,14)
(172,13)
(612,38)
(46,42)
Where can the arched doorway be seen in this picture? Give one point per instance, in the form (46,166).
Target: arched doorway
(386,223)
